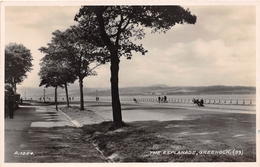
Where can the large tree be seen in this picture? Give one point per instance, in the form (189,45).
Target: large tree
(118,25)
(18,61)
(55,73)
(80,55)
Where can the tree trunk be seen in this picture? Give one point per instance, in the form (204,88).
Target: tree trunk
(81,94)
(116,105)
(114,68)
(67,94)
(56,98)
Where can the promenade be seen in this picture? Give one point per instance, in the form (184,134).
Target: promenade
(39,133)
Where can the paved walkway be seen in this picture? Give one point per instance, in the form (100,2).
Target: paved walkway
(97,112)
(236,107)
(41,134)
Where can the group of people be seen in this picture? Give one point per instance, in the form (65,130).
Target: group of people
(162,99)
(200,102)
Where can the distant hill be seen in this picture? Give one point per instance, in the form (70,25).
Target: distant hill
(139,90)
(159,85)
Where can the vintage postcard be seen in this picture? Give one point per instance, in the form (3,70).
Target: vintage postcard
(125,82)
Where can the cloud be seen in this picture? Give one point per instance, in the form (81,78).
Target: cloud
(32,26)
(219,49)
(203,62)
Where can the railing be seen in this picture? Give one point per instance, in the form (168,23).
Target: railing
(169,100)
(206,101)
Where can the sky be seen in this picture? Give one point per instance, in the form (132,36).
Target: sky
(220,49)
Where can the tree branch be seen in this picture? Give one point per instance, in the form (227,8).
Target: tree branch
(119,28)
(90,71)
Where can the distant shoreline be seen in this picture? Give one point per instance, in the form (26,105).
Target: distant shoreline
(143,91)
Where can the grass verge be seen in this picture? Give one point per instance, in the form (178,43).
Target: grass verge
(201,138)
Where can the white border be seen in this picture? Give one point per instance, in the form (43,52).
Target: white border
(133,2)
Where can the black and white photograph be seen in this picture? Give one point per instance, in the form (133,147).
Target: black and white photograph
(137,83)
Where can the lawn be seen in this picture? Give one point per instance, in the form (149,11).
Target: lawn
(227,137)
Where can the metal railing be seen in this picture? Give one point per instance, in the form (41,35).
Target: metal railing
(189,101)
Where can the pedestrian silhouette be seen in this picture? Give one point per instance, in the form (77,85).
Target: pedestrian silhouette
(11,106)
(165,99)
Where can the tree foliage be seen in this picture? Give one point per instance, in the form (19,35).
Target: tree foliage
(79,55)
(55,73)
(18,61)
(118,25)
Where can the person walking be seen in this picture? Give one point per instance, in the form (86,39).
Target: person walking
(11,106)
(159,99)
(165,99)
(201,103)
